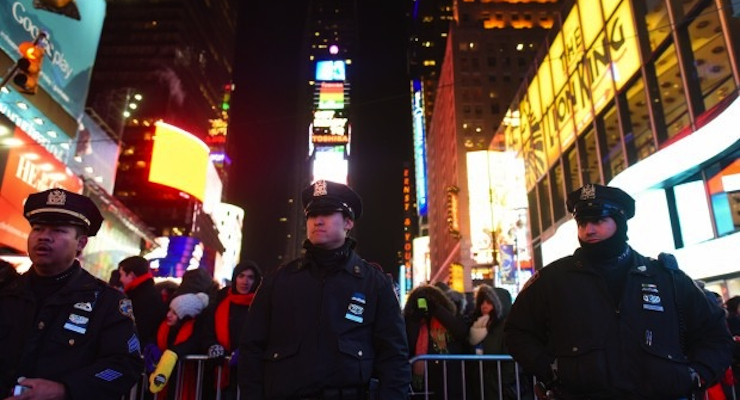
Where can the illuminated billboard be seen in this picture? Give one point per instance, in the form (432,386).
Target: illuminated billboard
(420,146)
(329,127)
(331,96)
(330,70)
(587,62)
(73,35)
(329,164)
(26,168)
(179,160)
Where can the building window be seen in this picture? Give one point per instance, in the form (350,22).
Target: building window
(658,23)
(711,61)
(613,159)
(640,119)
(672,96)
(589,157)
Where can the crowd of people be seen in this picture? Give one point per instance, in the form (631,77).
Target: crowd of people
(604,323)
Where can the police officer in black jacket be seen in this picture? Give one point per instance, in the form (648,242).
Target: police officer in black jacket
(63,333)
(609,323)
(323,325)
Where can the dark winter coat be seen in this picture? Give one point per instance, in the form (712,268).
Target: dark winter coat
(149,310)
(440,307)
(83,336)
(640,350)
(309,332)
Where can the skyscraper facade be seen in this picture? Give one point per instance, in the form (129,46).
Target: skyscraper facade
(489,48)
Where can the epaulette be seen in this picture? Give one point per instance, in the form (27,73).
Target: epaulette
(668,261)
(374,264)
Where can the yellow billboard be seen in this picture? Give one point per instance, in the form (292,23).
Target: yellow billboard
(587,62)
(179,160)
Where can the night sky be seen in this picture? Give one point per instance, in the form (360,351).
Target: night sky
(264,124)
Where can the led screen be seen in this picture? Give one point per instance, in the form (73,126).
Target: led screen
(179,160)
(330,70)
(329,164)
(331,96)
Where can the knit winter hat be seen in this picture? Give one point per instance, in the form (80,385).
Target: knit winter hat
(189,304)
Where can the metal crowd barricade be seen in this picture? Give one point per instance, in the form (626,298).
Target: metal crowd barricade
(472,387)
(469,363)
(140,391)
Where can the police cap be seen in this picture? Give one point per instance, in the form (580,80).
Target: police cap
(62,207)
(594,200)
(326,196)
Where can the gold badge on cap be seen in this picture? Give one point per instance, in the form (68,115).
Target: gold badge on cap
(588,192)
(319,188)
(56,198)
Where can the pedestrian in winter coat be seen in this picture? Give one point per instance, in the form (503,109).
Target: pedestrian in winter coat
(433,326)
(609,323)
(227,322)
(492,306)
(329,322)
(138,285)
(69,334)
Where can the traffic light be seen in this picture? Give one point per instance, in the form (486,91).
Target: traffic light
(29,67)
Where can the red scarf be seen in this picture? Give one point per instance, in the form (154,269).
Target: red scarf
(222,316)
(182,335)
(138,281)
(438,333)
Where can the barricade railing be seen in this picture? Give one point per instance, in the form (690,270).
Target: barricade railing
(177,382)
(463,376)
(445,377)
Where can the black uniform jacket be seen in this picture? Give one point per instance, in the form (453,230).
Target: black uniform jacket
(83,337)
(305,333)
(639,349)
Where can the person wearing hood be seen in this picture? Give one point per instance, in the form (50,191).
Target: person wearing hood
(609,323)
(492,306)
(227,322)
(433,326)
(327,325)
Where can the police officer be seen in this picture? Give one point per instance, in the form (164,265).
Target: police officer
(609,323)
(323,325)
(63,333)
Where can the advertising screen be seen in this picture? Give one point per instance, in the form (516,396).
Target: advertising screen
(420,145)
(330,70)
(179,160)
(329,164)
(331,96)
(93,151)
(27,168)
(73,36)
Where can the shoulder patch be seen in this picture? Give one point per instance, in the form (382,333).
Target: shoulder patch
(126,308)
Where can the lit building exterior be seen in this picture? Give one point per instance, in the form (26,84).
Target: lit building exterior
(178,56)
(642,96)
(490,46)
(48,138)
(329,47)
